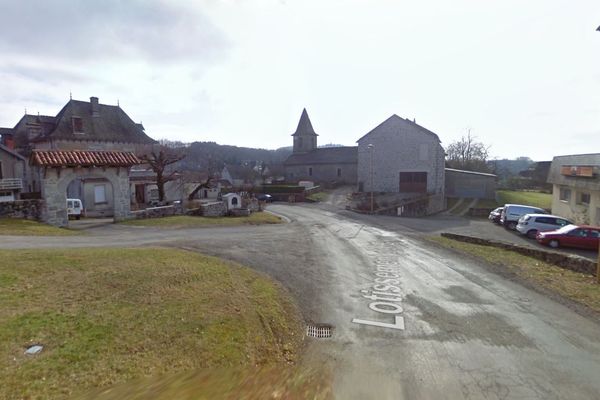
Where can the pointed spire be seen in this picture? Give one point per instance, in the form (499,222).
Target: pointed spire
(304,126)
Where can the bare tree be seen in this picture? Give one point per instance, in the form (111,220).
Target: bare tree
(467,153)
(159,159)
(209,178)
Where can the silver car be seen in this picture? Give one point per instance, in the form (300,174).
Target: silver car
(531,224)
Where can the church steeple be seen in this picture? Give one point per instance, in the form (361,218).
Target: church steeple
(305,137)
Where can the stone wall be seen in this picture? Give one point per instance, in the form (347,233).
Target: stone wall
(214,209)
(29,209)
(158,212)
(566,261)
(323,173)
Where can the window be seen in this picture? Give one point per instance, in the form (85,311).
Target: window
(594,234)
(339,172)
(565,194)
(584,198)
(77,125)
(1,177)
(99,194)
(413,182)
(578,233)
(309,171)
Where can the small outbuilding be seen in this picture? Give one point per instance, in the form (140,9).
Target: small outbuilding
(232,201)
(470,184)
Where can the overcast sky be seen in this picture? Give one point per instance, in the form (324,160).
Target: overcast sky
(524,76)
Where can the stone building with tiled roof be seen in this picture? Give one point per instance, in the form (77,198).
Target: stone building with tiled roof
(321,165)
(86,151)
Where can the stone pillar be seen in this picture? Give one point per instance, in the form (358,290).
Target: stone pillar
(54,210)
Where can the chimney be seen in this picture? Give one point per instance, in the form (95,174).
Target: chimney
(95,107)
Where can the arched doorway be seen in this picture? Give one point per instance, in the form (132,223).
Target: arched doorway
(105,170)
(95,194)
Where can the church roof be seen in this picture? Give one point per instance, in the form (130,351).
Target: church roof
(325,155)
(304,126)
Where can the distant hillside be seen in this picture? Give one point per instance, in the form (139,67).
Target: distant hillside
(202,154)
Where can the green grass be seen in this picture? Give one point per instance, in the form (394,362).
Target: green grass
(318,196)
(23,227)
(579,287)
(106,316)
(536,199)
(188,221)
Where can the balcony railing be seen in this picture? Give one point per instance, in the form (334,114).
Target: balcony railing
(11,184)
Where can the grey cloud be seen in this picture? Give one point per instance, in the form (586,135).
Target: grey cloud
(111,29)
(42,74)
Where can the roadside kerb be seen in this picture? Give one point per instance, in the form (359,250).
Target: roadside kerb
(566,261)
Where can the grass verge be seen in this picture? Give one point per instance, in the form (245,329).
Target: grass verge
(188,221)
(24,227)
(106,316)
(318,196)
(535,199)
(572,285)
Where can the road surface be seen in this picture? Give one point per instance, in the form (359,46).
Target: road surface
(411,321)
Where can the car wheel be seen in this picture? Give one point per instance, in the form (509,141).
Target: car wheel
(531,234)
(554,243)
(512,226)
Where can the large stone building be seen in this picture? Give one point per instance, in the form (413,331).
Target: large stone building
(91,145)
(399,156)
(575,183)
(321,165)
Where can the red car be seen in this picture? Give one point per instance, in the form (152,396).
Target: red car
(583,237)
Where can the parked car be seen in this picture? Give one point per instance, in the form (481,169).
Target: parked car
(583,237)
(74,208)
(531,224)
(512,212)
(495,215)
(264,197)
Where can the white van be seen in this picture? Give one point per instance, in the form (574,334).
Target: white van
(74,208)
(512,212)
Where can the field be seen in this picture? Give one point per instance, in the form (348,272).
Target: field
(106,316)
(536,199)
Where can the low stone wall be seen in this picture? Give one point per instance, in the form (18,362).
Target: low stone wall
(214,209)
(158,212)
(29,209)
(566,261)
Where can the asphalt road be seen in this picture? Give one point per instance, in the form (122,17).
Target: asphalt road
(411,321)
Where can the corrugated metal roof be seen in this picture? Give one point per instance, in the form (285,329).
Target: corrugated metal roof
(75,158)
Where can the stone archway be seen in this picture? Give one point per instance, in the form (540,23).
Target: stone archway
(54,191)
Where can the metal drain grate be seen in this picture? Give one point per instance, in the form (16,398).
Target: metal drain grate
(319,331)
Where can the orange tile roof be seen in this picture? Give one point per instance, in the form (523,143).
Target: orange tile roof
(82,158)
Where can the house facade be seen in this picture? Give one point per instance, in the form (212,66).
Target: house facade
(575,183)
(402,157)
(13,174)
(80,126)
(321,165)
